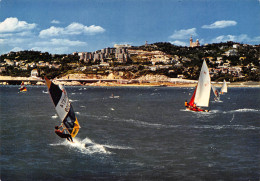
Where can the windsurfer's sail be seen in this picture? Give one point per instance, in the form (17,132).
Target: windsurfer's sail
(216,93)
(224,87)
(201,94)
(63,107)
(22,88)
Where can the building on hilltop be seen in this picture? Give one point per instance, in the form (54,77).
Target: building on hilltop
(194,44)
(122,46)
(34,73)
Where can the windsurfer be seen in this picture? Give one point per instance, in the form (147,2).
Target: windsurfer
(186,104)
(61,133)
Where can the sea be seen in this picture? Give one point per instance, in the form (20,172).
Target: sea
(142,133)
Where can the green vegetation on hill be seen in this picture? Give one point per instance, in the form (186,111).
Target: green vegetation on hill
(184,61)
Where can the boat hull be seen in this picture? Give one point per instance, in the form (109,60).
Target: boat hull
(197,109)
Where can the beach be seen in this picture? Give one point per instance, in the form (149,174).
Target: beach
(77,81)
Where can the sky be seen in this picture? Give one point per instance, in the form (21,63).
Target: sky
(67,26)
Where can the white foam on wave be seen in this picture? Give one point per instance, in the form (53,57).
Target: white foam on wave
(85,146)
(218,127)
(186,110)
(71,100)
(118,147)
(217,101)
(54,116)
(242,110)
(201,113)
(144,124)
(246,110)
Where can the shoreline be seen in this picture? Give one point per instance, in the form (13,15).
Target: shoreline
(4,80)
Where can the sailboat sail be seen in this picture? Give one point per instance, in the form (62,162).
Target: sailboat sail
(63,107)
(22,88)
(203,89)
(216,93)
(224,87)
(192,98)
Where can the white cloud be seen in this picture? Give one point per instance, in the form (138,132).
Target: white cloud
(16,49)
(256,39)
(2,41)
(179,43)
(72,29)
(93,29)
(57,50)
(220,24)
(14,25)
(59,42)
(225,38)
(14,41)
(52,31)
(55,22)
(5,35)
(57,45)
(184,34)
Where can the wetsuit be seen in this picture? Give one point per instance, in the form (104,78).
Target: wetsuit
(63,135)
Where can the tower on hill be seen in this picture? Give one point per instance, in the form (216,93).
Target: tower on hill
(194,44)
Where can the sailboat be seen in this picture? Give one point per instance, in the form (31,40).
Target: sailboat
(201,94)
(23,88)
(216,93)
(63,107)
(113,96)
(223,88)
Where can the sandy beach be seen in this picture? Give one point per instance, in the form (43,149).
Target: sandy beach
(4,80)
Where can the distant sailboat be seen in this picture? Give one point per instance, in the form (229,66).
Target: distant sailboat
(113,96)
(224,88)
(63,107)
(201,94)
(216,93)
(23,88)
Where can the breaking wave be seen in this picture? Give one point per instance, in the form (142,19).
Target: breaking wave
(143,123)
(54,116)
(235,127)
(118,147)
(71,100)
(87,146)
(242,110)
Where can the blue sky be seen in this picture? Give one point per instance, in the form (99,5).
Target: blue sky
(66,26)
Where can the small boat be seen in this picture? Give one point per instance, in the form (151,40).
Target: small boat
(113,97)
(201,95)
(224,87)
(23,88)
(216,93)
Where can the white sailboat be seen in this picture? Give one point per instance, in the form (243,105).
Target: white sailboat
(216,93)
(201,94)
(223,88)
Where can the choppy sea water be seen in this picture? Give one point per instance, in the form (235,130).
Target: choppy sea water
(144,134)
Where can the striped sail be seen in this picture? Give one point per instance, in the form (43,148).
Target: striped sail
(204,86)
(63,107)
